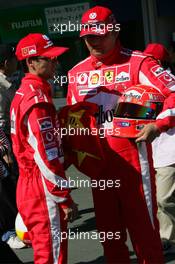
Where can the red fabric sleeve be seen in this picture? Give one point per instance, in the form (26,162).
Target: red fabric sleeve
(151,73)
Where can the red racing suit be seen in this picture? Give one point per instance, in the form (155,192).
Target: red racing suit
(41,196)
(133,205)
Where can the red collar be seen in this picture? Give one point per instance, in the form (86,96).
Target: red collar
(33,77)
(41,83)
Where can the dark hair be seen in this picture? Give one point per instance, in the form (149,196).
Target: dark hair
(7,52)
(2,61)
(172,45)
(2,64)
(23,65)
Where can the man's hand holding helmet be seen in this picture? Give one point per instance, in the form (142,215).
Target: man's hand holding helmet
(148,133)
(136,113)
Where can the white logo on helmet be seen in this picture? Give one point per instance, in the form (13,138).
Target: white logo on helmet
(92,15)
(133,93)
(45,37)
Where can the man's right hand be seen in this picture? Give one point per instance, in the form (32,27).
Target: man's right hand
(148,133)
(8,159)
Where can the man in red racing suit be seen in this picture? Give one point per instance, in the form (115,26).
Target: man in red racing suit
(101,79)
(43,202)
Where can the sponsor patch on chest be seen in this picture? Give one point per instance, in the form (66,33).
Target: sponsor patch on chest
(109,75)
(94,79)
(123,73)
(88,82)
(82,79)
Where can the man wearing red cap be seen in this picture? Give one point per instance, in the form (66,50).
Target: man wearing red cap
(42,202)
(101,79)
(158,51)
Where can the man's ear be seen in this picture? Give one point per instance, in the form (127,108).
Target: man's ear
(30,63)
(6,63)
(116,34)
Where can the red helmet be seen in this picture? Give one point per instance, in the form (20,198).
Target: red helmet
(138,106)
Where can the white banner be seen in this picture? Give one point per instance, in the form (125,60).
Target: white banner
(65,18)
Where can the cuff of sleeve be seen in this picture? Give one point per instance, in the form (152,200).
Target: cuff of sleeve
(162,125)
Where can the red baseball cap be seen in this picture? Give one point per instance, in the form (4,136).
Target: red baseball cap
(37,44)
(94,21)
(158,51)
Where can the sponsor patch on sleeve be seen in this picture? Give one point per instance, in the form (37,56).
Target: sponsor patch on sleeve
(157,70)
(52,153)
(167,79)
(48,138)
(45,123)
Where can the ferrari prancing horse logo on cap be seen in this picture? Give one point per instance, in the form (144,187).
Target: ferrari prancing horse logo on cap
(29,50)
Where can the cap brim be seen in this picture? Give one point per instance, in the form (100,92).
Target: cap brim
(92,31)
(54,52)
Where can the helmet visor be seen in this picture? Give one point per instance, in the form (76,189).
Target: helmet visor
(136,111)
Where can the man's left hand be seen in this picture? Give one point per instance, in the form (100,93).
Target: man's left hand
(148,133)
(71,212)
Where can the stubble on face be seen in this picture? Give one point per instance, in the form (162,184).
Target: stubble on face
(44,68)
(100,45)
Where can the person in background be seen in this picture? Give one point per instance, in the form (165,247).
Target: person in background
(171,51)
(164,163)
(162,54)
(8,65)
(7,206)
(8,94)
